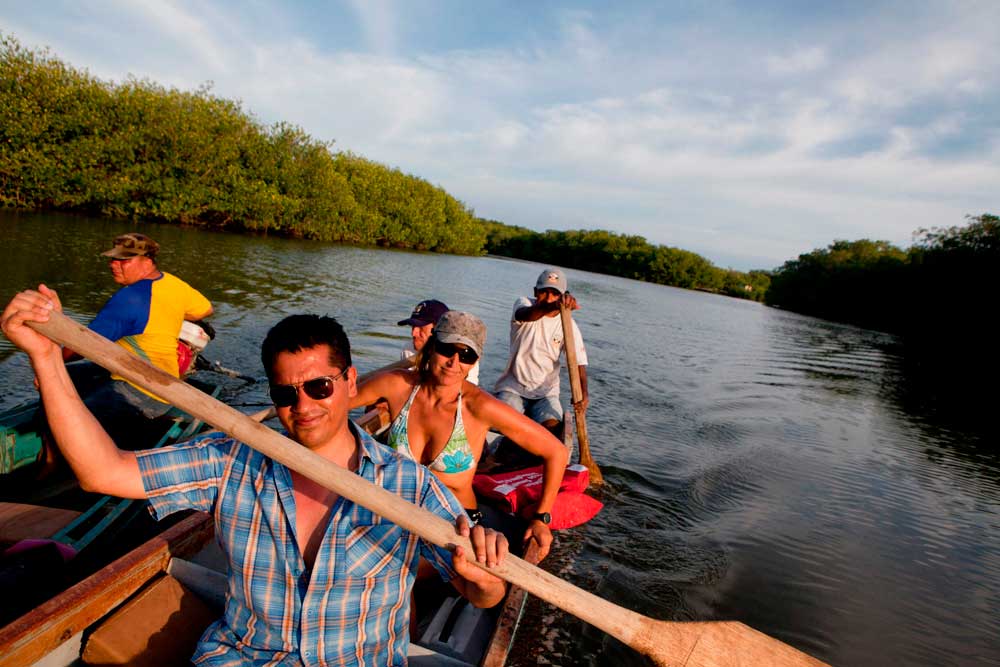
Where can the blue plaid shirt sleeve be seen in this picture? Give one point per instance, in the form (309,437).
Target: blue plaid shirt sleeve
(185,476)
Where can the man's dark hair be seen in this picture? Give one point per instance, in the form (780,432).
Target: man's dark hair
(301,332)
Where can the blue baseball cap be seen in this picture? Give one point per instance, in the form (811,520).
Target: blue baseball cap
(424,313)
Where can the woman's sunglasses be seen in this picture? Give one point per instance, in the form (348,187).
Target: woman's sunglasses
(286,395)
(448,350)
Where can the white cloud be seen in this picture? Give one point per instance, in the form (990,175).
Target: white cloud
(192,34)
(713,140)
(802,61)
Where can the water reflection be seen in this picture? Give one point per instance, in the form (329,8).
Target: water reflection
(761,466)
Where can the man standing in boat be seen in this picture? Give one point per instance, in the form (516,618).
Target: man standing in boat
(314,577)
(144,317)
(530,383)
(421,322)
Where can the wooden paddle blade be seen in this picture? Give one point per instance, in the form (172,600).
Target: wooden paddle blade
(716,644)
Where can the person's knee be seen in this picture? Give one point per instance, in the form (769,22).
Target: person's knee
(553,425)
(546,410)
(510,398)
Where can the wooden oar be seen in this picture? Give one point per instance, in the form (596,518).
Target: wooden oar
(576,391)
(701,644)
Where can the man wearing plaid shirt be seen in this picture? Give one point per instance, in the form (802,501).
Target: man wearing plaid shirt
(314,579)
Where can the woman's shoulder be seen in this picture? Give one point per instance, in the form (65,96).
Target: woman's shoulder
(475,398)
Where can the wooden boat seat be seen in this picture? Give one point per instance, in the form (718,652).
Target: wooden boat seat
(158,627)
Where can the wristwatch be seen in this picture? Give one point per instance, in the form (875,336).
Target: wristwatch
(544,517)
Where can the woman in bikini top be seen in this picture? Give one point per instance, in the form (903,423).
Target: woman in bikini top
(441,420)
(456,455)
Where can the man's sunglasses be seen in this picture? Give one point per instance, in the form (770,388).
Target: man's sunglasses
(448,350)
(286,395)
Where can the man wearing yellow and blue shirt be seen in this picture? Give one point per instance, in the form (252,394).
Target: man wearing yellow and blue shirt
(144,317)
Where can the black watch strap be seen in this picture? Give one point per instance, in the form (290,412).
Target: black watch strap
(544,517)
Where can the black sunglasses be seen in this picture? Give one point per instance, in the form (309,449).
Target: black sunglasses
(465,354)
(286,395)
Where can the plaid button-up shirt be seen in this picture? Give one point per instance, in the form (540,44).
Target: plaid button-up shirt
(353,608)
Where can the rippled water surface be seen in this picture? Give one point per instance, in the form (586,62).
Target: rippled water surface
(760,465)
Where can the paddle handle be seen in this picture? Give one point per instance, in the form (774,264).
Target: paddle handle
(576,391)
(633,629)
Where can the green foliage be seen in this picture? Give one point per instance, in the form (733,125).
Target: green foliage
(69,141)
(938,294)
(623,255)
(847,281)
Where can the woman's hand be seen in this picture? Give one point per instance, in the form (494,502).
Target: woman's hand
(542,535)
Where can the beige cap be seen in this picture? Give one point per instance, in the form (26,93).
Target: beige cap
(465,328)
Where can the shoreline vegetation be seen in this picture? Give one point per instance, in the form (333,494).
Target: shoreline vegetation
(72,142)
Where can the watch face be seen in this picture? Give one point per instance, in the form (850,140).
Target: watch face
(544,517)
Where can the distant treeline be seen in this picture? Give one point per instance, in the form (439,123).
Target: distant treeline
(71,142)
(622,255)
(941,293)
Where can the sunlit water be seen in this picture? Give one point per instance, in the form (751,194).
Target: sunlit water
(760,465)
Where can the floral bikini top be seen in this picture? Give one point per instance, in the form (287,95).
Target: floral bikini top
(456,455)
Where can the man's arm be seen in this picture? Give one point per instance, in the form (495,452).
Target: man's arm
(535,311)
(544,305)
(198,306)
(95,459)
(195,318)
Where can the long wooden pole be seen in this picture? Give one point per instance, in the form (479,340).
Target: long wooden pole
(576,391)
(696,644)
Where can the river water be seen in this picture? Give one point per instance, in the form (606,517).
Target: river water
(760,465)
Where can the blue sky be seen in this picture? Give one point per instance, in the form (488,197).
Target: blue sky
(746,132)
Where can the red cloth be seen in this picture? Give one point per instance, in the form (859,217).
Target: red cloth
(520,491)
(184,358)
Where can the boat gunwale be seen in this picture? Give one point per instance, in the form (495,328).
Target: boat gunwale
(46,627)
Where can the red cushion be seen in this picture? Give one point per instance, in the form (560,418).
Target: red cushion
(520,491)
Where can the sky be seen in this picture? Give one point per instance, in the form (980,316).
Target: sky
(747,132)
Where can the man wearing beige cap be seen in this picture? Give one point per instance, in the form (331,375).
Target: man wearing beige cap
(530,383)
(145,318)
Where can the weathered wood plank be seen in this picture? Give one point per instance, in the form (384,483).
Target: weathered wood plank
(19,521)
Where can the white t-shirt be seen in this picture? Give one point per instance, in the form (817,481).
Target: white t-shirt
(409,351)
(535,348)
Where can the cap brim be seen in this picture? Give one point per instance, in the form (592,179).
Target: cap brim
(410,322)
(459,338)
(122,253)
